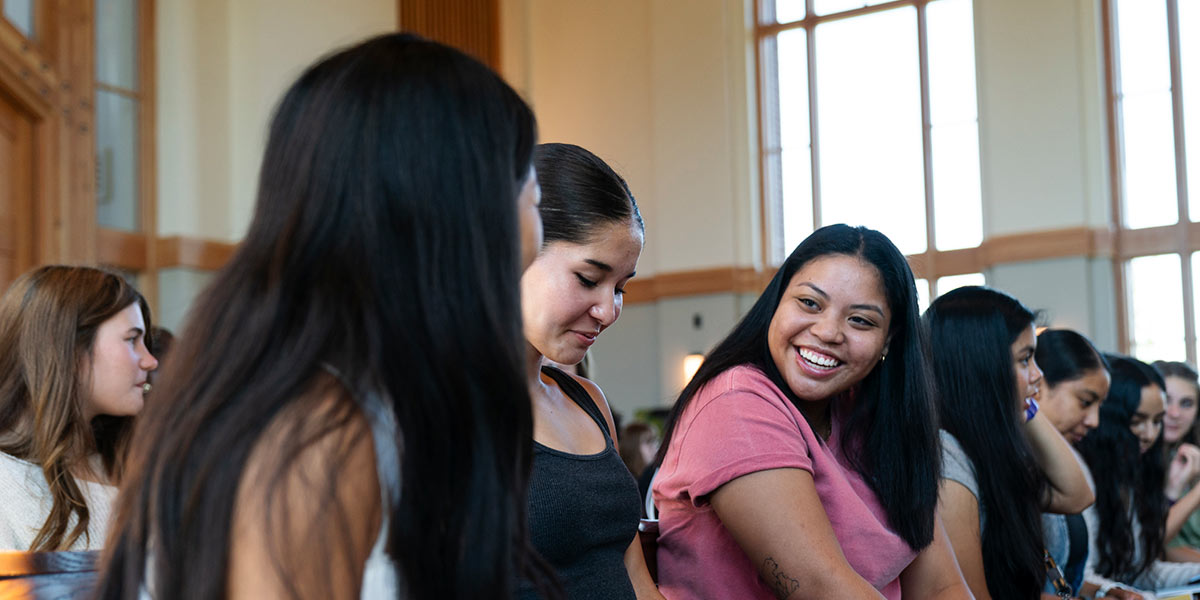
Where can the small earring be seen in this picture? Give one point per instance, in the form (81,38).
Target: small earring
(883,357)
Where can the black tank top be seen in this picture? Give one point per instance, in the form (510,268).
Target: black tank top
(583,511)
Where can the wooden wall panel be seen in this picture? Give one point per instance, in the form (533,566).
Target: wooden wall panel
(469,25)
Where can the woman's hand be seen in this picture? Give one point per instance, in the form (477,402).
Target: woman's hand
(1184,470)
(1124,594)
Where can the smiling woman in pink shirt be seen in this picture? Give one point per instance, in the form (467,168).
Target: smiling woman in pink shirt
(802,459)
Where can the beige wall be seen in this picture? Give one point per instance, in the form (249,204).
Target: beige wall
(222,65)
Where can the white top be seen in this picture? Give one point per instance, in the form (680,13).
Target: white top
(25,503)
(1161,574)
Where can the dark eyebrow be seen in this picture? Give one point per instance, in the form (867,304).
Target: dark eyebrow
(599,265)
(824,295)
(867,307)
(137,330)
(820,292)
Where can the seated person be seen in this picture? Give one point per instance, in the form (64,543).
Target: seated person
(73,369)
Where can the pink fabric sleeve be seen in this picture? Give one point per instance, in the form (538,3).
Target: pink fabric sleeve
(738,432)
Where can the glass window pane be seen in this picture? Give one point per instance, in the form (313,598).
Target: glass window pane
(1156,307)
(1149,155)
(922,294)
(957,199)
(1195,298)
(116,43)
(1189,58)
(794,138)
(116,162)
(951,282)
(825,7)
(869,114)
(1142,40)
(787,11)
(20,14)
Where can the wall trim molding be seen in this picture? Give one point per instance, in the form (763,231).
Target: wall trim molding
(128,251)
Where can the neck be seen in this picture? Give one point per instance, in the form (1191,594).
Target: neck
(818,415)
(533,369)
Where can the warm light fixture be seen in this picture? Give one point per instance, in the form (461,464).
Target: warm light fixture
(691,364)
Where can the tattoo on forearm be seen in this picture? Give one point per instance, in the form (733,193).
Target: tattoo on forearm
(783,585)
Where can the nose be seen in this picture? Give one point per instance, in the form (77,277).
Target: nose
(147,361)
(607,310)
(827,328)
(1035,373)
(1091,419)
(1173,410)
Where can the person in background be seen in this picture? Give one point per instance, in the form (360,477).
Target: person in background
(73,371)
(1183,457)
(161,340)
(639,444)
(345,414)
(1128,463)
(801,461)
(1003,463)
(583,502)
(1075,383)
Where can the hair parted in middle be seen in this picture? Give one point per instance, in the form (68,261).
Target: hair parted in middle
(891,435)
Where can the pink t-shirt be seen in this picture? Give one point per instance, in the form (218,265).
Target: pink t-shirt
(740,423)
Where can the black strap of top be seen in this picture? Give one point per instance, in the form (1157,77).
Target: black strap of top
(576,392)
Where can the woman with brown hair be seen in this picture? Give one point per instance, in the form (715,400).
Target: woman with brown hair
(73,368)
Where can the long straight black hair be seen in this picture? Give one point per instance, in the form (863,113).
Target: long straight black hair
(971,332)
(1127,480)
(891,435)
(384,245)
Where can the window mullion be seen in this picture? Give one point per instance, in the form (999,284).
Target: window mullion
(1177,111)
(926,133)
(1181,180)
(813,129)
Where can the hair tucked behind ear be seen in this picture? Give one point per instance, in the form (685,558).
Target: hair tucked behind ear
(891,434)
(1127,480)
(972,330)
(384,244)
(48,322)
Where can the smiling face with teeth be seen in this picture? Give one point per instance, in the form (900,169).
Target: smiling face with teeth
(830,328)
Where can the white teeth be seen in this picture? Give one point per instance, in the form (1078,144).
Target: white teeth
(819,360)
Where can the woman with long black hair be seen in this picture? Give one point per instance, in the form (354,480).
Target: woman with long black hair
(1003,463)
(1075,383)
(802,459)
(1128,462)
(346,414)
